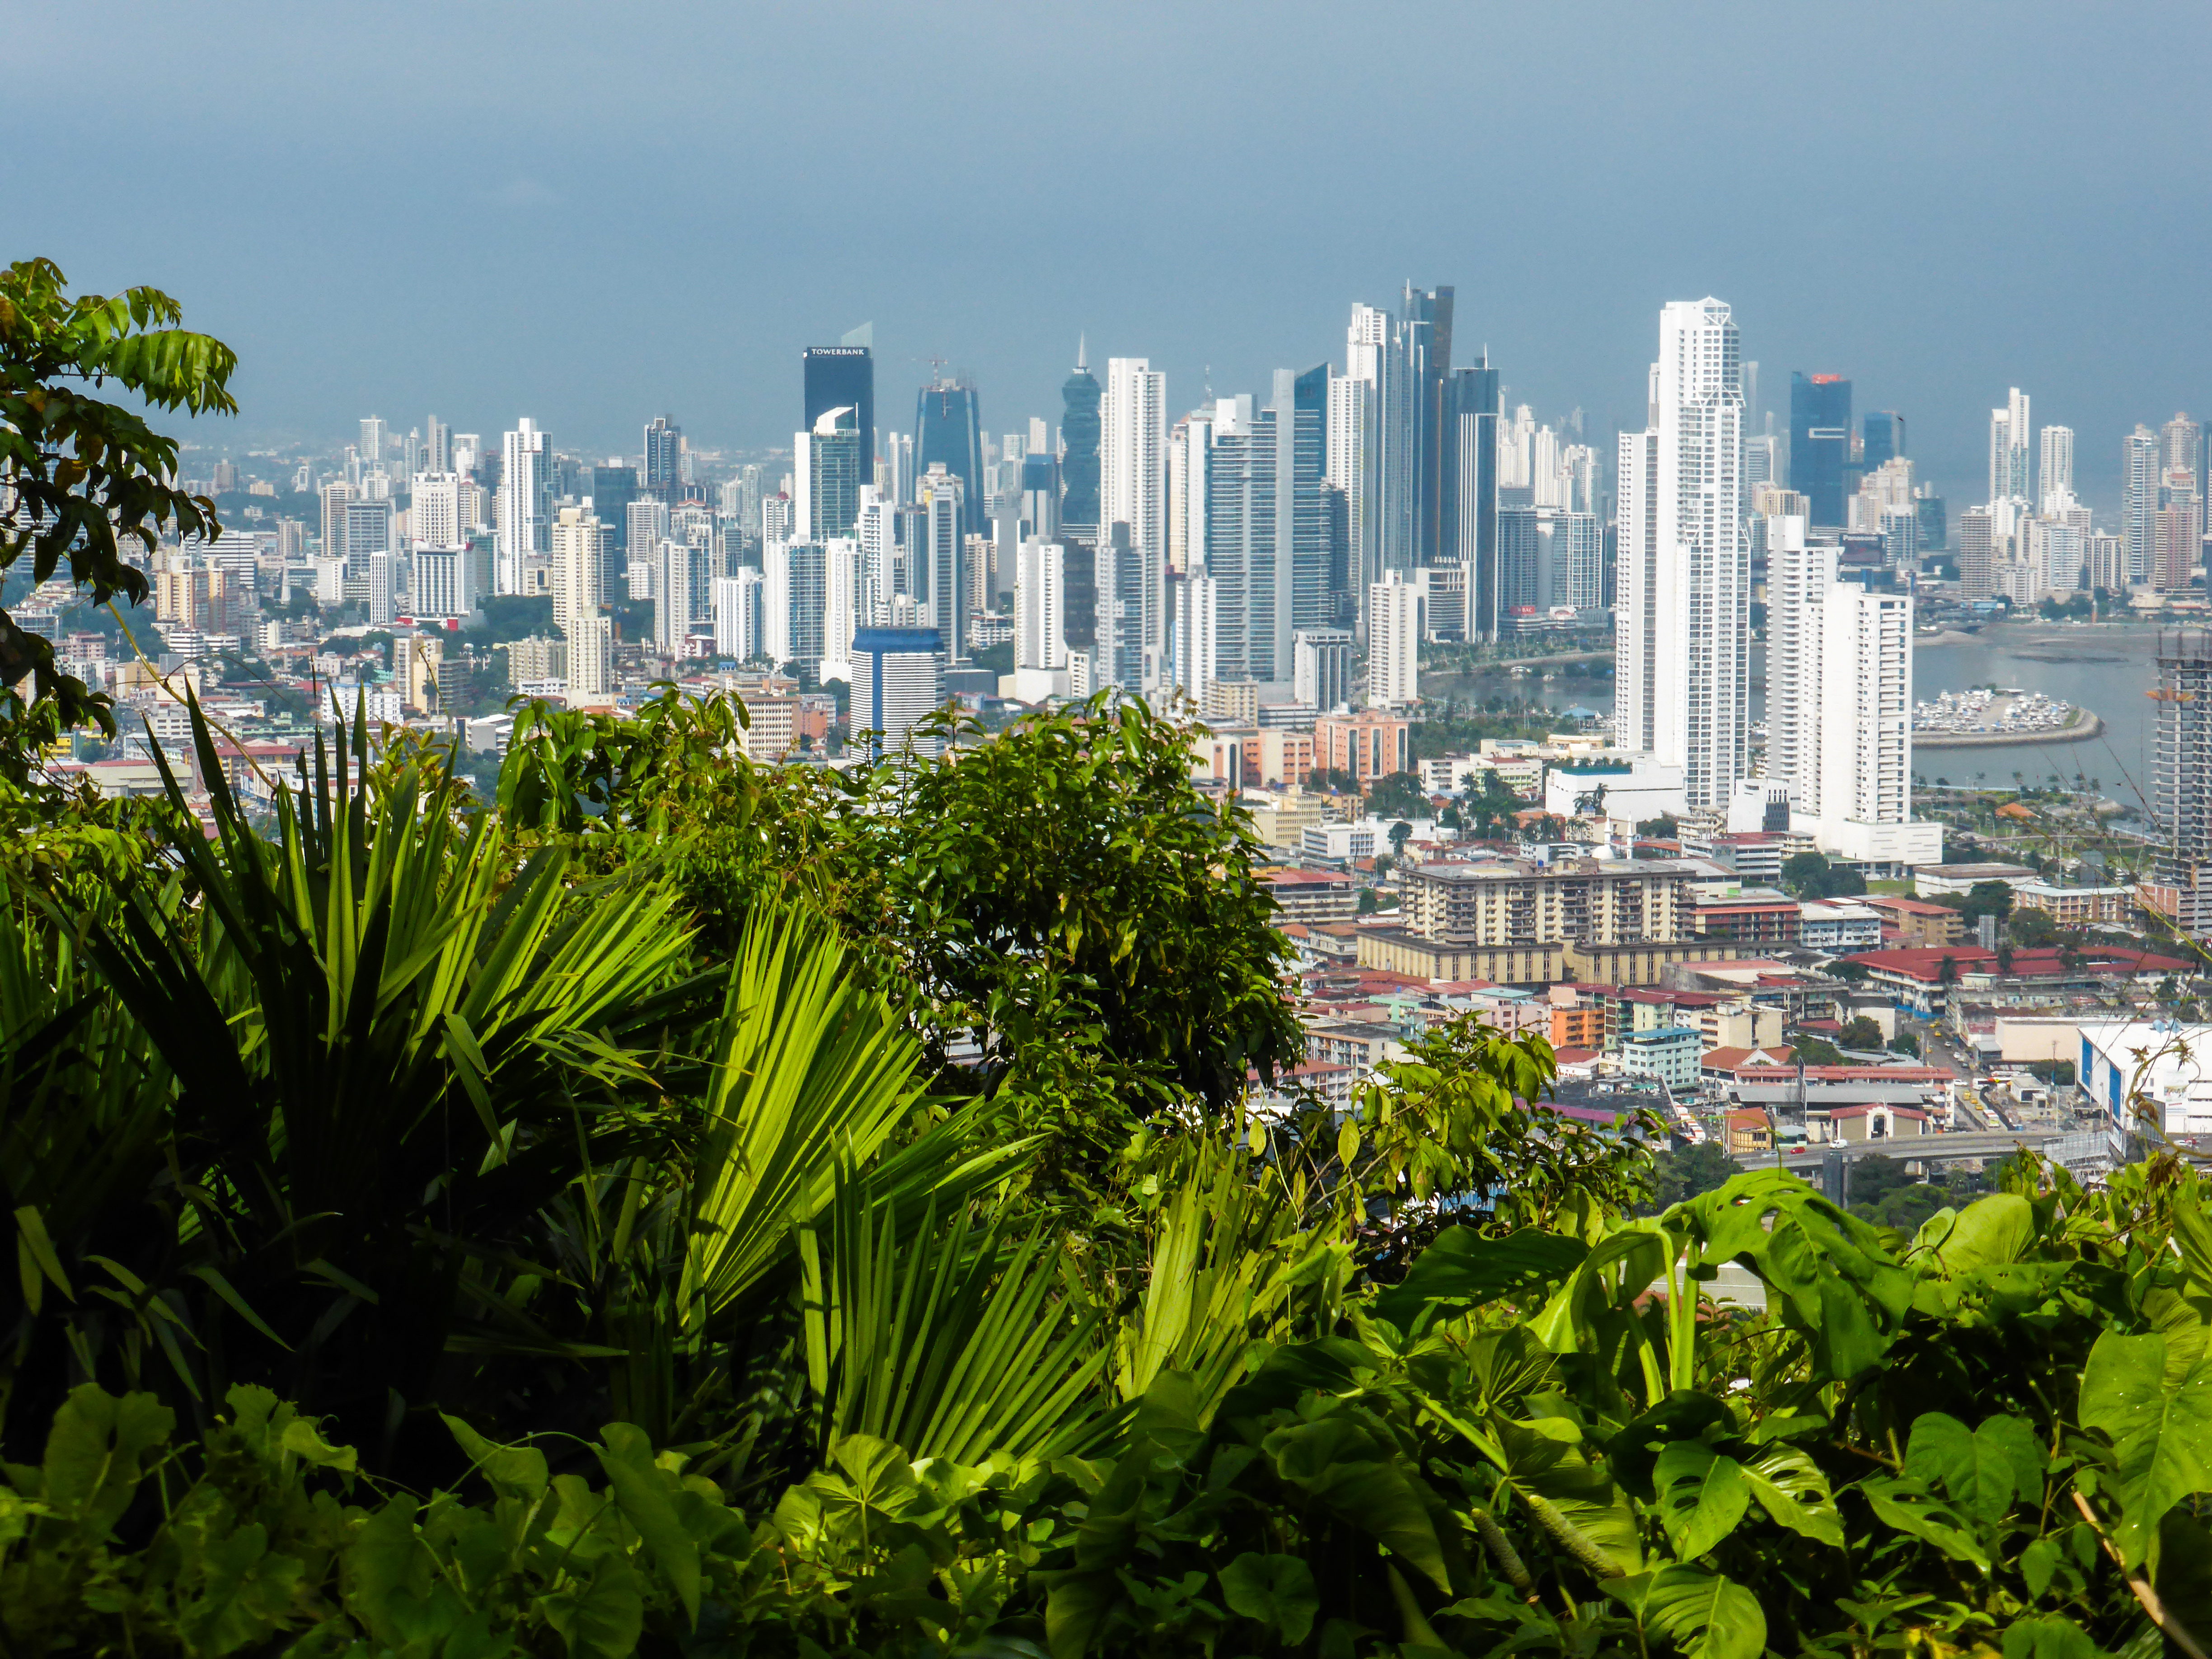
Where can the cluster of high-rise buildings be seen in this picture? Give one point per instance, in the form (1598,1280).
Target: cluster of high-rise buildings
(1276,555)
(1365,510)
(1695,498)
(2034,538)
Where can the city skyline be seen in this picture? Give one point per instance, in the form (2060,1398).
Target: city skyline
(1924,318)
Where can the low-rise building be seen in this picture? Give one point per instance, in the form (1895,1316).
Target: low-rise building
(1752,915)
(1668,1053)
(1939,879)
(1919,924)
(2075,907)
(1746,1130)
(1312,895)
(1835,926)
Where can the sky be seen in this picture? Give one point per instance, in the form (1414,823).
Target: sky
(593,214)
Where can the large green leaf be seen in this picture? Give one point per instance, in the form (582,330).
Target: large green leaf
(1706,1615)
(1702,1496)
(2161,1430)
(1989,1232)
(1462,1265)
(1789,1487)
(810,1067)
(1275,1589)
(1982,1469)
(1826,1272)
(1912,1508)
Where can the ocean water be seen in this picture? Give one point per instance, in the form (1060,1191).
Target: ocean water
(2105,669)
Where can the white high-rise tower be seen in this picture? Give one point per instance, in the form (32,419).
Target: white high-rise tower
(1683,623)
(2009,452)
(2054,476)
(1133,456)
(525,503)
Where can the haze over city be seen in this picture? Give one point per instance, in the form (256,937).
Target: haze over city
(591,217)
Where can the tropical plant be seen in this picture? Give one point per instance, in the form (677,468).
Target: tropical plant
(80,476)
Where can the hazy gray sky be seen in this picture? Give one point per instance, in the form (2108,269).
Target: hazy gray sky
(589,213)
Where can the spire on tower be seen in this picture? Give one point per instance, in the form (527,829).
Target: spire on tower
(1082,355)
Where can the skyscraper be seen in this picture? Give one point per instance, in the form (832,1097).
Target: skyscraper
(826,476)
(1682,653)
(1820,444)
(2054,475)
(1240,534)
(2181,782)
(1133,486)
(842,377)
(1796,576)
(1079,396)
(1470,517)
(938,565)
(578,562)
(1186,445)
(1040,596)
(524,504)
(2008,453)
(2181,456)
(1427,318)
(663,453)
(2139,501)
(1302,519)
(1882,439)
(1396,626)
(613,488)
(948,432)
(898,680)
(437,448)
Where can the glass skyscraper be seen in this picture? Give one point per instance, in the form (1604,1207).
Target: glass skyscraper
(1820,444)
(1078,467)
(948,430)
(1884,439)
(842,377)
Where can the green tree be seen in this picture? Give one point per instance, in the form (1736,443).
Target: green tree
(1988,898)
(1064,875)
(84,475)
(2034,930)
(1860,1032)
(1816,1051)
(1805,874)
(1905,1043)
(1397,794)
(1400,833)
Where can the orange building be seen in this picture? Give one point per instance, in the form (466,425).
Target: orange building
(1578,1027)
(1367,746)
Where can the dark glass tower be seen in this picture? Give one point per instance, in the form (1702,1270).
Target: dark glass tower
(1306,532)
(1884,439)
(613,489)
(1430,342)
(842,377)
(1820,444)
(948,428)
(1078,467)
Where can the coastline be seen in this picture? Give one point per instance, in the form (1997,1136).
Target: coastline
(2084,726)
